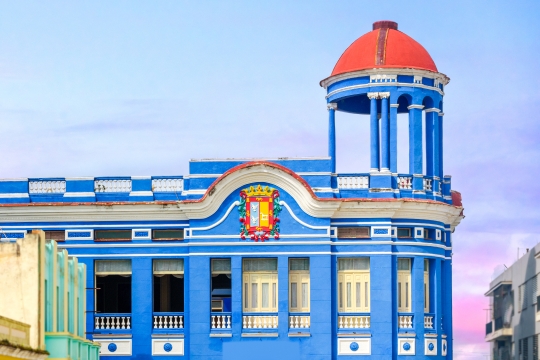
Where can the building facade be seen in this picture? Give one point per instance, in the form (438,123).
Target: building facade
(42,304)
(274,258)
(513,330)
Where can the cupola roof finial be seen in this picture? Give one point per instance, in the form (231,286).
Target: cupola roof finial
(385,24)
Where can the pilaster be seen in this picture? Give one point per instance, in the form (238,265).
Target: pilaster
(374,131)
(332,107)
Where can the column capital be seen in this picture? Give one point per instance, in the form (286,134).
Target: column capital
(384,95)
(331,106)
(394,105)
(441,114)
(373,95)
(432,110)
(415,107)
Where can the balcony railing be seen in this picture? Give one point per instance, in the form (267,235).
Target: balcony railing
(113,322)
(15,332)
(168,320)
(404,182)
(299,321)
(220,321)
(112,186)
(260,321)
(354,321)
(428,321)
(489,328)
(405,321)
(46,186)
(353,181)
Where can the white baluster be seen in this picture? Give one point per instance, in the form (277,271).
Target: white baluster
(213,325)
(341,322)
(228,321)
(244,322)
(96,323)
(181,322)
(107,326)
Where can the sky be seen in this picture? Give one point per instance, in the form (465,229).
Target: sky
(95,88)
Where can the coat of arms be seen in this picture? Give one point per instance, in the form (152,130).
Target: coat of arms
(259,210)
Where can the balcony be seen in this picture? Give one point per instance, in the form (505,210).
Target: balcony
(299,322)
(113,322)
(429,322)
(498,329)
(259,323)
(349,321)
(221,324)
(405,321)
(168,321)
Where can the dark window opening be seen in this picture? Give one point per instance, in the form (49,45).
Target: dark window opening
(221,285)
(55,235)
(353,232)
(427,234)
(169,293)
(113,294)
(168,234)
(403,233)
(112,235)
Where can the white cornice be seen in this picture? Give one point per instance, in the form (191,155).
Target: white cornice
(385,71)
(331,106)
(415,107)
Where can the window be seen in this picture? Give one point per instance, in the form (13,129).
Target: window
(112,235)
(168,285)
(55,235)
(299,285)
(426,285)
(260,285)
(221,285)
(168,234)
(353,285)
(404,285)
(353,232)
(403,233)
(113,286)
(428,233)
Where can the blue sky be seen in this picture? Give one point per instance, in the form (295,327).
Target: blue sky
(140,87)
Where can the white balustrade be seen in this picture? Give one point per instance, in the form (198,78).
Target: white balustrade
(259,322)
(354,322)
(168,322)
(353,182)
(107,186)
(404,182)
(47,187)
(113,322)
(167,185)
(221,322)
(428,322)
(428,184)
(405,321)
(299,321)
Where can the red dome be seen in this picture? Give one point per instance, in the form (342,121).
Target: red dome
(384,47)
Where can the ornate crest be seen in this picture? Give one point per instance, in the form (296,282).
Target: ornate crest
(259,210)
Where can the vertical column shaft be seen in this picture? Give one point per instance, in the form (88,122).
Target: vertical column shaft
(415,139)
(393,138)
(430,142)
(385,132)
(332,134)
(441,168)
(374,131)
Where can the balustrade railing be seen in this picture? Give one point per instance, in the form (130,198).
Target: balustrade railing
(299,321)
(167,185)
(428,184)
(164,320)
(112,186)
(260,321)
(404,182)
(220,320)
(405,321)
(113,322)
(353,182)
(428,321)
(47,187)
(354,321)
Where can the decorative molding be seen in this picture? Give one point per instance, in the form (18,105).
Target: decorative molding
(381,231)
(14,179)
(79,234)
(441,114)
(80,178)
(331,106)
(384,95)
(372,95)
(79,194)
(415,107)
(114,347)
(141,193)
(141,177)
(354,346)
(14,195)
(432,110)
(141,234)
(394,105)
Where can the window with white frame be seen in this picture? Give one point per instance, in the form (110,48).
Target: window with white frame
(168,285)
(353,285)
(404,285)
(260,285)
(426,285)
(221,288)
(113,286)
(299,285)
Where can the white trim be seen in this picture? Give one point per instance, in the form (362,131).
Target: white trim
(393,232)
(313,227)
(261,254)
(141,193)
(371,223)
(335,230)
(194,192)
(394,105)
(91,237)
(13,179)
(79,194)
(331,106)
(387,228)
(394,84)
(236,203)
(201,176)
(432,110)
(438,234)
(261,159)
(95,226)
(325,190)
(416,235)
(415,107)
(6,239)
(14,195)
(134,237)
(145,177)
(314,173)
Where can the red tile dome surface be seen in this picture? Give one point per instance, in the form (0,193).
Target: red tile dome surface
(384,47)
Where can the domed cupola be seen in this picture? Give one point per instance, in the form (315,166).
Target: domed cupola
(381,74)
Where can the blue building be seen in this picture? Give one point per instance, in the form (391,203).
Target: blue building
(274,258)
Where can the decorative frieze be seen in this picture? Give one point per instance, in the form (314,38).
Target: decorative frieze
(380,78)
